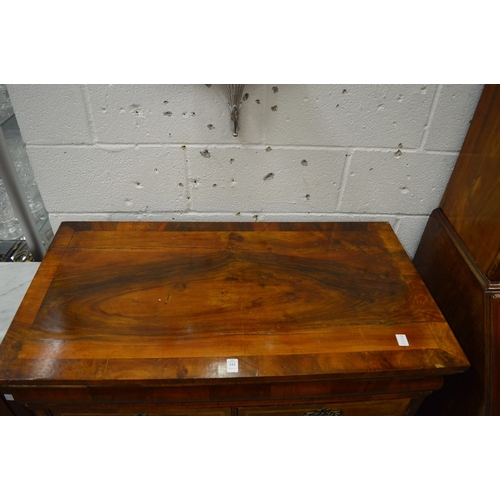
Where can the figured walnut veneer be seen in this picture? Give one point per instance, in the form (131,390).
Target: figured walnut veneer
(128,318)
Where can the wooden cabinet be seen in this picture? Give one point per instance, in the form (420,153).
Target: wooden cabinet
(226,319)
(459,260)
(4,409)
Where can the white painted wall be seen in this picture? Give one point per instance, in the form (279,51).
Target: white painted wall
(304,152)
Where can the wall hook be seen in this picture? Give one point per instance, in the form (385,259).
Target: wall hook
(234,95)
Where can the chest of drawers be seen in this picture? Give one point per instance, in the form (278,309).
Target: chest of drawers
(128,318)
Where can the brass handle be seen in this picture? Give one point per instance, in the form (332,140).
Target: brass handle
(140,414)
(324,412)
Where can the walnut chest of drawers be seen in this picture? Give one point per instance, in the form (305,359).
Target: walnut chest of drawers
(134,318)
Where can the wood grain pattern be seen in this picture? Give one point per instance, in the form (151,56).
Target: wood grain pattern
(129,410)
(166,304)
(362,408)
(494,309)
(470,201)
(457,285)
(459,260)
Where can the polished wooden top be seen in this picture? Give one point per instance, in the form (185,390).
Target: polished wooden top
(123,302)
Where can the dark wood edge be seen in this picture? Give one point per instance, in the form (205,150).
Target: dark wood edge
(63,236)
(492,351)
(415,404)
(494,325)
(486,284)
(494,270)
(163,371)
(415,397)
(4,407)
(275,391)
(214,226)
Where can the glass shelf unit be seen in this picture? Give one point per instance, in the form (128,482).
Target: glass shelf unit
(11,232)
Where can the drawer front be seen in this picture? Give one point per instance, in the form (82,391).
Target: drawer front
(381,407)
(4,409)
(359,408)
(125,410)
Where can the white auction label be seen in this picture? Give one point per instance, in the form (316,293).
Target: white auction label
(402,340)
(232,366)
(8,397)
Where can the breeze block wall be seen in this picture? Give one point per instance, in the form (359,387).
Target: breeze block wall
(303,153)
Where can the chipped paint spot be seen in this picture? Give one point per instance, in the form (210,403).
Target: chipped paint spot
(268,177)
(398,154)
(274,108)
(269,148)
(304,163)
(275,89)
(205,153)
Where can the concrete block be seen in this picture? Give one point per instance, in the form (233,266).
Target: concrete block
(264,179)
(396,182)
(180,114)
(51,114)
(450,121)
(112,179)
(288,162)
(409,230)
(348,115)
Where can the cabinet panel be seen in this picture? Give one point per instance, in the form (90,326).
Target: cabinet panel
(358,408)
(124,410)
(452,276)
(4,409)
(495,349)
(459,261)
(471,201)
